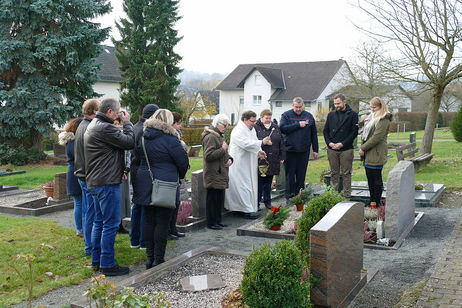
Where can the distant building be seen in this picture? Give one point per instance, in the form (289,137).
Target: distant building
(109,78)
(274,86)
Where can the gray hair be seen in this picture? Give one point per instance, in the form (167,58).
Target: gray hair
(163,115)
(298,100)
(220,118)
(108,103)
(246,115)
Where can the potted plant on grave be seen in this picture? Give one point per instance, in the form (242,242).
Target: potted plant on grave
(275,217)
(49,188)
(303,197)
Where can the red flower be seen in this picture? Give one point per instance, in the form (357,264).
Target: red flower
(275,209)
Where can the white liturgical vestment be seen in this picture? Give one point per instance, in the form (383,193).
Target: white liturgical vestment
(243,173)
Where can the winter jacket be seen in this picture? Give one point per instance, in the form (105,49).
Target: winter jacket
(375,146)
(79,160)
(299,139)
(167,159)
(72,184)
(275,152)
(341,126)
(104,146)
(215,158)
(138,131)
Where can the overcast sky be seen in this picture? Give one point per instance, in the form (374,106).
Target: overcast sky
(218,35)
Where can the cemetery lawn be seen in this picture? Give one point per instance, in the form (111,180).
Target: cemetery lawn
(443,133)
(36,175)
(56,249)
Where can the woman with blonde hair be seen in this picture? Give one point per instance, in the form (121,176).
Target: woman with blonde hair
(374,130)
(168,161)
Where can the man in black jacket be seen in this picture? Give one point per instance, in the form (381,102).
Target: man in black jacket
(89,109)
(340,131)
(137,216)
(104,146)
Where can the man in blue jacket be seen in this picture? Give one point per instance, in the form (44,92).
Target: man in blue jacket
(300,132)
(340,132)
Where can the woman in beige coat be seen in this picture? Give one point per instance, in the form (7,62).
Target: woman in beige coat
(374,130)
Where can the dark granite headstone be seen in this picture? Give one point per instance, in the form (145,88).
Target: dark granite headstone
(336,253)
(412,138)
(198,194)
(59,150)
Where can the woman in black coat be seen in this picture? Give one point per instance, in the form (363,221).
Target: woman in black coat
(275,155)
(73,189)
(168,162)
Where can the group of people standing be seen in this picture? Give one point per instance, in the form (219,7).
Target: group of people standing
(103,148)
(241,178)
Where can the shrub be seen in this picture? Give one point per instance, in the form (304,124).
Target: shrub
(276,216)
(272,277)
(18,155)
(416,119)
(456,125)
(402,125)
(184,211)
(312,214)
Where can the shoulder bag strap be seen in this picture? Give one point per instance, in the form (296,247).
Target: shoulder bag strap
(147,160)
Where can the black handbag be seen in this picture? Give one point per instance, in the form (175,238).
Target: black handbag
(163,192)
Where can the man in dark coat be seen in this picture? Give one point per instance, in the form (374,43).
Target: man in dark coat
(340,131)
(300,132)
(89,109)
(216,164)
(104,146)
(137,217)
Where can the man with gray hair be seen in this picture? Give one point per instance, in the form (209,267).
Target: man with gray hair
(104,146)
(216,166)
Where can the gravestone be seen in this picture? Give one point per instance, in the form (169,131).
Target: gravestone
(201,283)
(412,138)
(194,150)
(60,186)
(59,150)
(336,253)
(281,180)
(400,206)
(198,193)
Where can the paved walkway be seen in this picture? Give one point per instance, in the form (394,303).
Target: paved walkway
(444,287)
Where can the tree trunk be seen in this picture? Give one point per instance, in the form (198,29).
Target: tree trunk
(36,140)
(432,118)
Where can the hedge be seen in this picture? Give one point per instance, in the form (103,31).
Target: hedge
(193,136)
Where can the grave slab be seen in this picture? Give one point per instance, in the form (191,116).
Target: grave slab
(201,283)
(198,193)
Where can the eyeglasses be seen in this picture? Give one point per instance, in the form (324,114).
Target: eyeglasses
(252,121)
(224,125)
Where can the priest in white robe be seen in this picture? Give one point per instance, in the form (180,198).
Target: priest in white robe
(245,148)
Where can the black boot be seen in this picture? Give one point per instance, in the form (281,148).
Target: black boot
(149,263)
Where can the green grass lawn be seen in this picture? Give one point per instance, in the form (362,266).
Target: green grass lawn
(34,176)
(443,133)
(56,250)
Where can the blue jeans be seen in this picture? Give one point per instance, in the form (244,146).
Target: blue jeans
(88,212)
(78,214)
(106,199)
(137,226)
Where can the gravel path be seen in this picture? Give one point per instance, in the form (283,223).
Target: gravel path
(398,269)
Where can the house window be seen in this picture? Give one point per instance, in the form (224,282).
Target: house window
(233,117)
(278,103)
(257,80)
(257,99)
(241,100)
(307,104)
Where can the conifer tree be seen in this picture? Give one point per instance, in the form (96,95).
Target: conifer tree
(148,63)
(47,64)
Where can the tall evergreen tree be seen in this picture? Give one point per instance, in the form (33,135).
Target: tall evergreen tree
(145,52)
(47,64)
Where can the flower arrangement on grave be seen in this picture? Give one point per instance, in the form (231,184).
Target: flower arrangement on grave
(275,217)
(372,216)
(303,197)
(184,211)
(49,188)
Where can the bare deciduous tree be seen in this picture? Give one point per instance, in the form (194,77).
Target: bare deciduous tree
(428,35)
